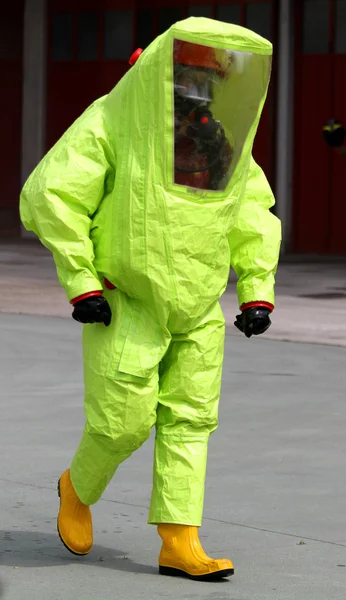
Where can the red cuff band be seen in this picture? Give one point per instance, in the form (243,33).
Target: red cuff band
(109,285)
(259,304)
(83,296)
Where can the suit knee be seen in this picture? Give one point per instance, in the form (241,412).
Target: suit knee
(119,442)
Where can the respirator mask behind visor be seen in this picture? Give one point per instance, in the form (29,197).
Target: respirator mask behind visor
(193,87)
(193,93)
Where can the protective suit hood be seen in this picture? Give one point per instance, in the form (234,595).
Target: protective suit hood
(142,108)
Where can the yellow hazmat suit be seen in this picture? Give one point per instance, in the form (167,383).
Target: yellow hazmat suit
(105,201)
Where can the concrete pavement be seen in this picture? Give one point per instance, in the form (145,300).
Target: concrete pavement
(310,297)
(276,488)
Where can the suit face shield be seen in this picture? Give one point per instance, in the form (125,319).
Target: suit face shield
(217,96)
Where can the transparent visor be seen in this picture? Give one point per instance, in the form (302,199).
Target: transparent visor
(217,96)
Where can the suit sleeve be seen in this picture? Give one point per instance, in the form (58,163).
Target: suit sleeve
(62,194)
(255,242)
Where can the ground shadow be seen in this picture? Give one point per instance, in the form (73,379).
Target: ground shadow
(38,549)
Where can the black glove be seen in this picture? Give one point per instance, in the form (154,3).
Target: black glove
(253,321)
(334,133)
(93,310)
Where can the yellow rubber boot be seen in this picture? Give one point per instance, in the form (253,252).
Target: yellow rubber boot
(182,555)
(74,520)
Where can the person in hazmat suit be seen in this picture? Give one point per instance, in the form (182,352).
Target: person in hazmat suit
(145,202)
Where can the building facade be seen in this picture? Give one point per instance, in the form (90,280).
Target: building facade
(57,56)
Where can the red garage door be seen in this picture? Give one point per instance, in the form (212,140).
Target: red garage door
(90,42)
(11,33)
(319,192)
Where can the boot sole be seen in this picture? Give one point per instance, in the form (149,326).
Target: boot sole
(59,534)
(217,576)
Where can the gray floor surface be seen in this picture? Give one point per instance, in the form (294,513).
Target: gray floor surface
(276,486)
